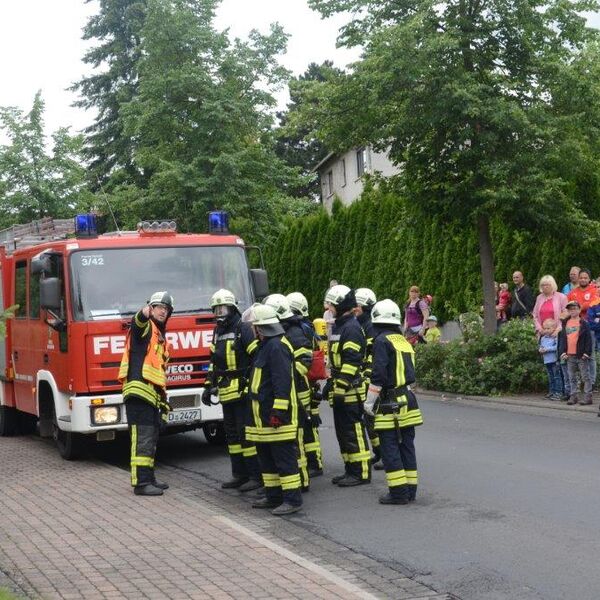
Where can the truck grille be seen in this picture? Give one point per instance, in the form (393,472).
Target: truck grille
(188,401)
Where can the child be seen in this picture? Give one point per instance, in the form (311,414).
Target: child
(575,345)
(548,348)
(504,300)
(431,334)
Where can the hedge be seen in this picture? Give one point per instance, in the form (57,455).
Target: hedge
(379,242)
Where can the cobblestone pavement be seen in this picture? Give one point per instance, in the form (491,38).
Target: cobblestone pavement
(75,530)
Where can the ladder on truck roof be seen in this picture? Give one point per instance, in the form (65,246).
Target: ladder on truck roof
(42,230)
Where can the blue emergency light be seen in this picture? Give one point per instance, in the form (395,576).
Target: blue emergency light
(85,226)
(218,221)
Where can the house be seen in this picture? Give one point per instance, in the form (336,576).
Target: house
(341,174)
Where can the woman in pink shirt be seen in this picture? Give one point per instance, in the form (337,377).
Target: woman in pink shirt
(550,304)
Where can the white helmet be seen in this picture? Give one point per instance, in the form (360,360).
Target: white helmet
(223,298)
(386,312)
(365,297)
(264,315)
(337,294)
(298,303)
(280,304)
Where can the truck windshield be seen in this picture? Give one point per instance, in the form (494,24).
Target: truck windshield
(112,283)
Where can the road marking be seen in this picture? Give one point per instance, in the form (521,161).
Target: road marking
(299,560)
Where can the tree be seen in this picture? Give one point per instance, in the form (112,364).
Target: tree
(469,98)
(295,143)
(201,117)
(34,182)
(118,28)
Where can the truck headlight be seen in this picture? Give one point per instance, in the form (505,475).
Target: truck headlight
(105,415)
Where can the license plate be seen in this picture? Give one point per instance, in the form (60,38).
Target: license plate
(178,416)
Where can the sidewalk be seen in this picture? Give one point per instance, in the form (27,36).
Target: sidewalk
(75,530)
(534,401)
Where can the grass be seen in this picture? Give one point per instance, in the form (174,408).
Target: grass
(7,594)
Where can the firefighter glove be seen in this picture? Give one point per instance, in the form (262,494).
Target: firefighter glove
(207,396)
(372,395)
(277,418)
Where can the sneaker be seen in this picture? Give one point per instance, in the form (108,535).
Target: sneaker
(555,397)
(351,481)
(285,509)
(147,490)
(234,483)
(548,396)
(585,402)
(389,499)
(572,400)
(266,503)
(250,485)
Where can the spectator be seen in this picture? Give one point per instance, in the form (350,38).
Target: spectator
(416,312)
(431,332)
(502,303)
(573,280)
(548,348)
(522,298)
(585,293)
(328,315)
(593,319)
(575,346)
(550,304)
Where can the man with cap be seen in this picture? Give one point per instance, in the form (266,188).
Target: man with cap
(231,353)
(345,390)
(393,404)
(274,414)
(143,375)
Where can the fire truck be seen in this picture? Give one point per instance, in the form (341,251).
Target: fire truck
(76,296)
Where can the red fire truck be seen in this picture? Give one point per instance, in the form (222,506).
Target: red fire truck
(76,297)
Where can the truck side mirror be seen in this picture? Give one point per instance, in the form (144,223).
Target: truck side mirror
(50,293)
(260,283)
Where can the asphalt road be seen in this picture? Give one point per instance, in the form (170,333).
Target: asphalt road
(507,505)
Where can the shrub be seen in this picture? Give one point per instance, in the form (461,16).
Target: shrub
(507,362)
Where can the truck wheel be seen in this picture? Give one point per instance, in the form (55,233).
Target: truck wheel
(8,421)
(27,423)
(70,445)
(214,433)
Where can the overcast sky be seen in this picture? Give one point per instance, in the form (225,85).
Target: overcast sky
(41,47)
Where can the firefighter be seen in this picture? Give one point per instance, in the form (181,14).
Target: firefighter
(365,300)
(274,426)
(302,349)
(344,389)
(143,375)
(231,352)
(312,443)
(393,404)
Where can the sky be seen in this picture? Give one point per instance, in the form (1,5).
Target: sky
(41,47)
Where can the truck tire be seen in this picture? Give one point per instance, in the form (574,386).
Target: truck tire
(214,433)
(70,445)
(27,423)
(8,421)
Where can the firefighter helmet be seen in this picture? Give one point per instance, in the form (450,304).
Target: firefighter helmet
(365,297)
(298,303)
(281,305)
(223,297)
(342,297)
(386,312)
(162,298)
(265,320)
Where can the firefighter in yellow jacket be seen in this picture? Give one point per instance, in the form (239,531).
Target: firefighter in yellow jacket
(144,379)
(393,404)
(274,426)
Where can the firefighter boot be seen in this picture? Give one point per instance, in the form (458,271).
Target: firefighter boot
(250,485)
(285,509)
(234,483)
(389,499)
(160,484)
(147,490)
(266,503)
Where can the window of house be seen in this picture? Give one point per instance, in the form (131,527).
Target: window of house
(21,289)
(329,183)
(360,161)
(343,172)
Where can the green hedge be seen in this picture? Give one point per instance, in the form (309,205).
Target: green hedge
(379,242)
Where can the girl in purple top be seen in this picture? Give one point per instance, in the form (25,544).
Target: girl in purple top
(416,312)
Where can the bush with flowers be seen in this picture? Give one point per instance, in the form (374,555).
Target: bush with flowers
(480,364)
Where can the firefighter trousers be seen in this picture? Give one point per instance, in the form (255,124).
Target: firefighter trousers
(143,420)
(312,446)
(400,461)
(373,436)
(244,461)
(352,439)
(279,466)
